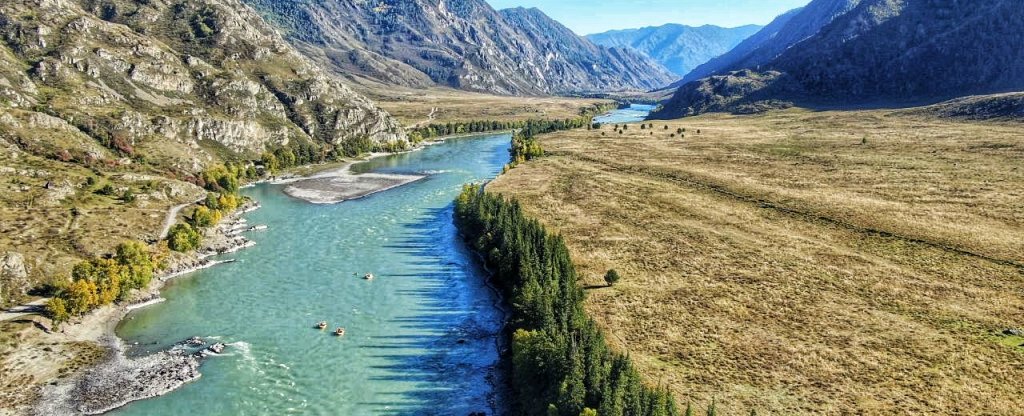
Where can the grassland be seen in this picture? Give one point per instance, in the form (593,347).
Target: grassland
(51,215)
(413,107)
(801,262)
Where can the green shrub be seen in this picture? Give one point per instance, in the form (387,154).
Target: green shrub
(183,238)
(611,277)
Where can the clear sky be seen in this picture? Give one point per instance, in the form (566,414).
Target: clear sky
(593,16)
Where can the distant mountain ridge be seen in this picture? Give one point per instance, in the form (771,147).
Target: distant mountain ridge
(877,52)
(679,48)
(741,51)
(464,44)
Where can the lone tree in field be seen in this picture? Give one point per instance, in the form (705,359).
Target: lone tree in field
(611,277)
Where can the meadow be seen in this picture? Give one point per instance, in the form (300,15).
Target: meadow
(798,262)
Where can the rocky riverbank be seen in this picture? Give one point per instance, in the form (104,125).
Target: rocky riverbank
(116,379)
(120,380)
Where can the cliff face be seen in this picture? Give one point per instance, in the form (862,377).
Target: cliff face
(464,44)
(677,47)
(180,82)
(109,107)
(880,52)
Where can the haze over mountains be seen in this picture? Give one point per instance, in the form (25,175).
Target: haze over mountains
(465,44)
(869,52)
(679,48)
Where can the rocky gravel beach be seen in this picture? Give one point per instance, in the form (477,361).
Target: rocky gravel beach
(342,185)
(118,381)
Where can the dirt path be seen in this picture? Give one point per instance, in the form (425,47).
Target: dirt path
(430,118)
(30,308)
(171,215)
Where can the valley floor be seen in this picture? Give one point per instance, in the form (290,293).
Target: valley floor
(419,107)
(862,262)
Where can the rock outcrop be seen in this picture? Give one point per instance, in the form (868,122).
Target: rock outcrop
(13,278)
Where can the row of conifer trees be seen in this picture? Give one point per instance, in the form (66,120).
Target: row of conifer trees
(560,362)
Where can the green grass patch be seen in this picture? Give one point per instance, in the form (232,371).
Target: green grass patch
(1012,341)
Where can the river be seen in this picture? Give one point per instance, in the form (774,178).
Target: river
(633,114)
(421,337)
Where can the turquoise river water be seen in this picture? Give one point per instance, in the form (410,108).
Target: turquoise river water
(635,113)
(421,337)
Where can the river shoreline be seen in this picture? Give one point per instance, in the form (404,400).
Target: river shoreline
(118,379)
(123,379)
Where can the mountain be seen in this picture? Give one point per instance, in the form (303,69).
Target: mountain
(1006,107)
(175,84)
(110,110)
(677,47)
(745,48)
(880,52)
(785,31)
(465,44)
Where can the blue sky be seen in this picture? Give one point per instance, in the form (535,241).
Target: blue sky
(592,16)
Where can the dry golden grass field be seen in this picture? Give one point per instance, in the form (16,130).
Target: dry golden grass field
(438,105)
(53,218)
(801,262)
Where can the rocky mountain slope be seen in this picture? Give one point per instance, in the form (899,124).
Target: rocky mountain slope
(464,44)
(170,76)
(1008,106)
(108,108)
(745,48)
(785,31)
(880,52)
(679,48)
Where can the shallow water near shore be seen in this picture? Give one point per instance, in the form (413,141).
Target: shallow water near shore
(421,337)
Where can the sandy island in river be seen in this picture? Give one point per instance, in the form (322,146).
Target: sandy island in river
(342,185)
